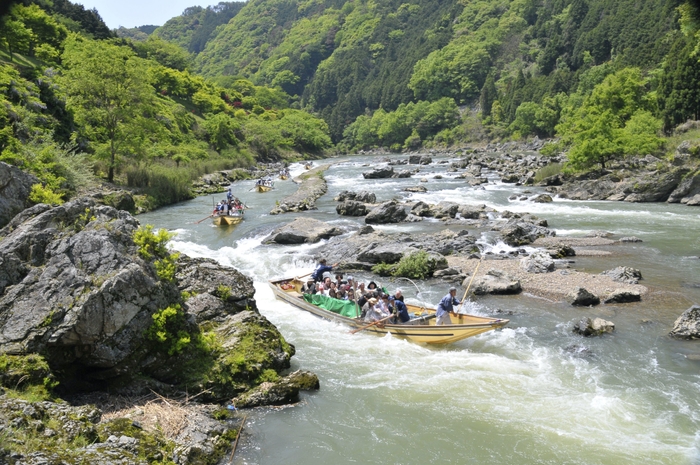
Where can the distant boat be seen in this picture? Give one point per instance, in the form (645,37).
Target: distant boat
(283,177)
(307,166)
(421,328)
(263,188)
(228,219)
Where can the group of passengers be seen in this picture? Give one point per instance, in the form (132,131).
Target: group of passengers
(285,172)
(231,205)
(267,182)
(372,302)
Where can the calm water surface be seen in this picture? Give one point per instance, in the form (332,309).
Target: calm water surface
(532,393)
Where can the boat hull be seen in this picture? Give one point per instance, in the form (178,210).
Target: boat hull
(227,220)
(261,188)
(421,329)
(283,177)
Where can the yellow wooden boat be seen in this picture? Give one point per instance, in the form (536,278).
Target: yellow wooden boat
(262,188)
(307,166)
(421,328)
(228,219)
(283,177)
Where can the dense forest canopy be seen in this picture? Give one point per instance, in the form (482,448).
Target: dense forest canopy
(76,102)
(239,82)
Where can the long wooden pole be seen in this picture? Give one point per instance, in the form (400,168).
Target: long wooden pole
(471,280)
(197,222)
(371,324)
(235,444)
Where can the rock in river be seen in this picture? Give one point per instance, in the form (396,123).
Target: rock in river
(687,326)
(302,230)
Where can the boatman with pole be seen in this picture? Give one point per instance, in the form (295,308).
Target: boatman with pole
(445,307)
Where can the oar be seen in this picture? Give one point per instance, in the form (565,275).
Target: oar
(197,222)
(235,444)
(371,324)
(471,281)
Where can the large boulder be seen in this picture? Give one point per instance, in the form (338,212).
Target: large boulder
(519,232)
(621,296)
(494,282)
(656,188)
(75,288)
(687,326)
(537,262)
(624,274)
(351,208)
(15,187)
(582,297)
(379,173)
(387,212)
(303,231)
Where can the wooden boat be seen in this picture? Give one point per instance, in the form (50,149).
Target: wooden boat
(262,188)
(228,219)
(307,166)
(421,328)
(283,177)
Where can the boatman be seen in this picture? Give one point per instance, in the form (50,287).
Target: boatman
(445,307)
(229,195)
(320,269)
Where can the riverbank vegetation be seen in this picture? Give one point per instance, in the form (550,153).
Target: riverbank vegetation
(79,106)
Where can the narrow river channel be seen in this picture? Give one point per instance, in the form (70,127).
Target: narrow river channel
(532,393)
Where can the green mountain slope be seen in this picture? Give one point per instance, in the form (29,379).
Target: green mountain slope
(344,58)
(196,26)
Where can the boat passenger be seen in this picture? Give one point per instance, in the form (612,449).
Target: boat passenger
(445,307)
(341,293)
(398,295)
(321,268)
(401,310)
(375,311)
(229,194)
(332,289)
(309,287)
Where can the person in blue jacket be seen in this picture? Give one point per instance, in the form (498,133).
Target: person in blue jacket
(445,307)
(321,268)
(401,310)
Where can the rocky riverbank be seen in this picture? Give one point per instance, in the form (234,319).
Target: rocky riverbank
(101,305)
(311,187)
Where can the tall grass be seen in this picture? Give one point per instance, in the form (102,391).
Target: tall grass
(546,171)
(165,183)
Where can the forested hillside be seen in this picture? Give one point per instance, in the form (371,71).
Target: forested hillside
(379,72)
(77,105)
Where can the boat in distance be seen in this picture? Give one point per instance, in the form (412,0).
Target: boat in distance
(228,219)
(421,328)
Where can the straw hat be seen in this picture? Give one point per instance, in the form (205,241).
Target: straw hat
(372,301)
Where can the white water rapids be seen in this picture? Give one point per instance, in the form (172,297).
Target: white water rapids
(532,393)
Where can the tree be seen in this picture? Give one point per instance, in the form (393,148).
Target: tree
(108,91)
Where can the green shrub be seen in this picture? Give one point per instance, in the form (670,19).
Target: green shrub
(27,376)
(168,330)
(41,194)
(546,171)
(384,269)
(224,292)
(153,246)
(417,265)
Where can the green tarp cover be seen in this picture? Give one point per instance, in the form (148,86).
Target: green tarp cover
(342,307)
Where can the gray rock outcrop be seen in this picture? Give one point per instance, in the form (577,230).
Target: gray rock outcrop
(351,208)
(15,187)
(302,231)
(624,274)
(75,288)
(494,282)
(537,262)
(582,297)
(379,173)
(387,212)
(687,326)
(312,186)
(587,327)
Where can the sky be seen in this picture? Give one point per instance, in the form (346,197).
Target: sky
(133,13)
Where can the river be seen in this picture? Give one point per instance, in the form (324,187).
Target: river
(531,393)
